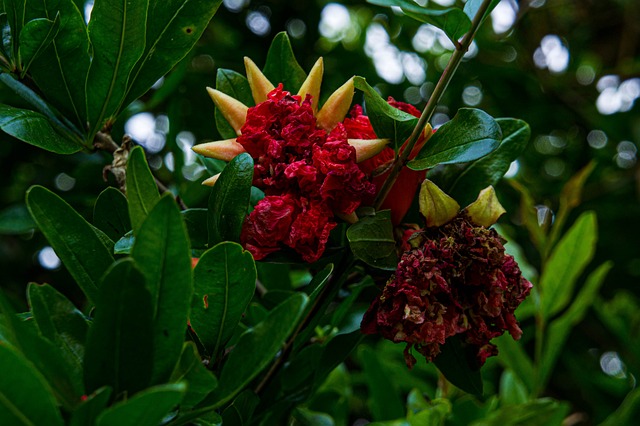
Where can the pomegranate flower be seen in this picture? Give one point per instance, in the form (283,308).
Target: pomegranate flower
(454,279)
(406,185)
(303,162)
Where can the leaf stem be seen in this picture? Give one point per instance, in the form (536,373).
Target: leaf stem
(461,48)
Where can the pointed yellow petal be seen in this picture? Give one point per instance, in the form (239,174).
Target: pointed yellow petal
(234,111)
(436,206)
(211,181)
(260,85)
(486,209)
(349,218)
(311,85)
(367,148)
(221,150)
(337,106)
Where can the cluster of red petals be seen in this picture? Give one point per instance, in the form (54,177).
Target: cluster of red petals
(459,281)
(307,175)
(401,196)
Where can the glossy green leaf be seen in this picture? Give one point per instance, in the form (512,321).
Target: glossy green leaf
(512,391)
(124,244)
(25,396)
(453,21)
(60,78)
(200,381)
(471,134)
(14,10)
(161,250)
(224,282)
(385,402)
(35,129)
(142,192)
(387,121)
(560,328)
(91,408)
(59,321)
(459,366)
(471,8)
(626,412)
(16,220)
(235,85)
(513,356)
(572,254)
(423,412)
(371,240)
(173,28)
(316,287)
(120,342)
(63,377)
(6,42)
(256,348)
(544,411)
(489,169)
(147,408)
(117,33)
(196,222)
(111,214)
(281,65)
(229,200)
(240,411)
(81,250)
(335,352)
(35,37)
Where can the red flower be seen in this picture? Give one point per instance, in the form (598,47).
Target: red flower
(458,281)
(404,189)
(308,177)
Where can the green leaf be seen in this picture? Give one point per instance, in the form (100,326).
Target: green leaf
(162,252)
(6,43)
(513,356)
(560,328)
(544,411)
(59,321)
(281,65)
(142,192)
(196,222)
(35,129)
(224,282)
(235,85)
(471,134)
(35,37)
(120,342)
(256,348)
(512,390)
(371,240)
(16,220)
(422,412)
(626,412)
(90,409)
(459,366)
(471,8)
(64,379)
(387,121)
(14,10)
(124,244)
(147,408)
(229,200)
(489,169)
(111,214)
(240,411)
(572,254)
(73,239)
(25,396)
(60,78)
(117,33)
(335,352)
(453,21)
(200,381)
(173,28)
(316,286)
(385,402)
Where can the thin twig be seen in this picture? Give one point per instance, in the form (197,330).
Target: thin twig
(461,48)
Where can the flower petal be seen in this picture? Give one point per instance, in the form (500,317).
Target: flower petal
(260,85)
(367,148)
(311,85)
(225,150)
(234,111)
(337,106)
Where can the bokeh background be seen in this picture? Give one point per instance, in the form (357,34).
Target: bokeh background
(571,69)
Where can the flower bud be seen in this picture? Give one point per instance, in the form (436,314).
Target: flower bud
(220,150)
(311,85)
(486,209)
(335,109)
(234,111)
(436,206)
(260,85)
